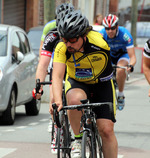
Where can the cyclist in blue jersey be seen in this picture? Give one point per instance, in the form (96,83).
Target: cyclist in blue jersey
(146,62)
(121,51)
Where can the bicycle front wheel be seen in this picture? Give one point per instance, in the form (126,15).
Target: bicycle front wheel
(58,142)
(99,146)
(66,139)
(87,146)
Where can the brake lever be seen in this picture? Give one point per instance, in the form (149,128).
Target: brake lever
(56,115)
(38,85)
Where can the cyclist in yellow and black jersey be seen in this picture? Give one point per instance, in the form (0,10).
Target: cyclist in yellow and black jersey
(90,66)
(89,75)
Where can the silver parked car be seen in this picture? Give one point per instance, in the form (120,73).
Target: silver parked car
(17,74)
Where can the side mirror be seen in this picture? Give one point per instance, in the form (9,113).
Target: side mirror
(20,56)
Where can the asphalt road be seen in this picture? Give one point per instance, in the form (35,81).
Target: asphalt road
(29,137)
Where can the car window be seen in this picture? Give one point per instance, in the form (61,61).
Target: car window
(3,43)
(25,42)
(35,38)
(16,45)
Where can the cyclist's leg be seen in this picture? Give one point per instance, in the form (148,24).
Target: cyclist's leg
(104,92)
(75,91)
(121,77)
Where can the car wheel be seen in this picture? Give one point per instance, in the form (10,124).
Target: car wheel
(33,107)
(8,116)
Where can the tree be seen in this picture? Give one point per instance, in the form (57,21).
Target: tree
(134,16)
(49,10)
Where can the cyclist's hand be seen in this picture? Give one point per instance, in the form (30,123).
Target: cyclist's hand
(51,109)
(37,95)
(59,105)
(130,68)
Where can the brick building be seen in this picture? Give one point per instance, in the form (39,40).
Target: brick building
(25,13)
(30,13)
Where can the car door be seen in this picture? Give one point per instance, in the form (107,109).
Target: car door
(30,65)
(18,67)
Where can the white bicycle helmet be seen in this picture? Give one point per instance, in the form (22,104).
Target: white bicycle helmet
(110,21)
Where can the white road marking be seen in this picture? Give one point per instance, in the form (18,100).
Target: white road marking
(21,127)
(119,156)
(33,124)
(9,130)
(6,151)
(43,120)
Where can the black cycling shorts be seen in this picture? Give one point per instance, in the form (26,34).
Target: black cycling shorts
(100,92)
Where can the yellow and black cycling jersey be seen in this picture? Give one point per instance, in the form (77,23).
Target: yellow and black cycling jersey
(92,65)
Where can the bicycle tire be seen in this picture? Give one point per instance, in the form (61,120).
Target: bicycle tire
(99,146)
(66,149)
(57,145)
(52,133)
(87,149)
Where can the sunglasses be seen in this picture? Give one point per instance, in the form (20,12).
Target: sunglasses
(71,40)
(112,28)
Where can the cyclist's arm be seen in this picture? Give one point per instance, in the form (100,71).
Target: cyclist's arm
(146,68)
(57,77)
(131,53)
(42,67)
(41,45)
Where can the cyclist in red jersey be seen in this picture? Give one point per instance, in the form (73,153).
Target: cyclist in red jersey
(48,46)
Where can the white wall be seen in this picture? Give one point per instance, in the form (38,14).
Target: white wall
(87,9)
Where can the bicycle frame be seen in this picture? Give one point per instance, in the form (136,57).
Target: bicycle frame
(88,122)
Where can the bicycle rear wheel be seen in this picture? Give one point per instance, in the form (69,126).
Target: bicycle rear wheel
(52,133)
(87,150)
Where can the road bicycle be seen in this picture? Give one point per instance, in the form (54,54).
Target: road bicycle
(64,150)
(38,86)
(91,140)
(62,122)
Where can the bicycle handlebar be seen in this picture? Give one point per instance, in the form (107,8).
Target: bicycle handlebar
(124,67)
(38,84)
(79,108)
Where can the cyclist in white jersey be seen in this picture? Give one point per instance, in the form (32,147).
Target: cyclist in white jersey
(146,62)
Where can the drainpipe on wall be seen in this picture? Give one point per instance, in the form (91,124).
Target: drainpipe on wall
(1,11)
(107,7)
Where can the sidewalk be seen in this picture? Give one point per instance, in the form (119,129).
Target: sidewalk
(135,76)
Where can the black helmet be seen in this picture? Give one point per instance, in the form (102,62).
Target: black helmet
(73,25)
(62,10)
